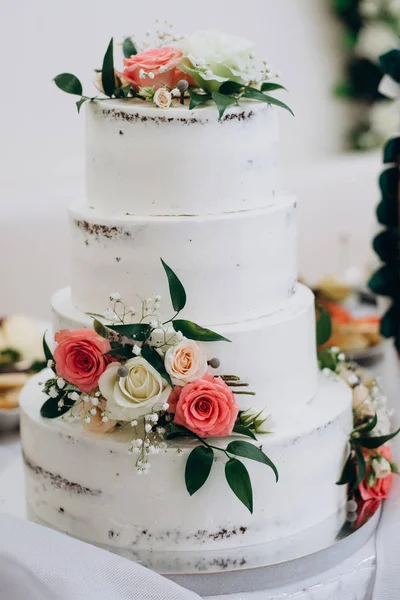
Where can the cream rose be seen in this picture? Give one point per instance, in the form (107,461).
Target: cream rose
(212,57)
(139,393)
(162,98)
(381,467)
(362,403)
(185,362)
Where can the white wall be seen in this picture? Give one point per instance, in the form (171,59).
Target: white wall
(41,149)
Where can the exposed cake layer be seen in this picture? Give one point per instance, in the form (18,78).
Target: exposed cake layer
(144,160)
(275,355)
(234,267)
(87,485)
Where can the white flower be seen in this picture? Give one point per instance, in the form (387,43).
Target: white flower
(140,392)
(165,406)
(139,443)
(95,401)
(93,411)
(160,430)
(60,383)
(162,98)
(185,362)
(50,363)
(142,74)
(87,419)
(134,423)
(53,393)
(381,467)
(157,337)
(362,403)
(115,296)
(150,74)
(212,57)
(73,396)
(175,93)
(136,349)
(104,418)
(148,427)
(375,39)
(86,398)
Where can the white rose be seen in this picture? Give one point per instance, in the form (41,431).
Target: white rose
(362,403)
(212,57)
(162,98)
(381,467)
(185,362)
(139,393)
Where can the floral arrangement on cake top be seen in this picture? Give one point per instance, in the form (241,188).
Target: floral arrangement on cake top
(206,66)
(153,377)
(369,465)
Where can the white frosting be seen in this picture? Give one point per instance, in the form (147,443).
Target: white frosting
(87,485)
(234,267)
(149,161)
(276,354)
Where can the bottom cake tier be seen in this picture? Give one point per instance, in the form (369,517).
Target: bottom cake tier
(86,485)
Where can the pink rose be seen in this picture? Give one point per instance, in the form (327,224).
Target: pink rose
(161,62)
(206,406)
(79,357)
(380,489)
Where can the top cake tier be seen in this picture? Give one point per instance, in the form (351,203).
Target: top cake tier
(142,160)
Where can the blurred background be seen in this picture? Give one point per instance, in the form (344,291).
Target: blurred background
(326,53)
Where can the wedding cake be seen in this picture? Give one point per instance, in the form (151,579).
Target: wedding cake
(157,433)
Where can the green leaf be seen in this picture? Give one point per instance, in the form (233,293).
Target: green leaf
(134,331)
(269,87)
(386,244)
(375,441)
(248,450)
(120,352)
(68,83)
(80,103)
(151,355)
(176,431)
(195,332)
(242,430)
(128,47)
(349,473)
(51,410)
(327,360)
(324,326)
(122,92)
(198,467)
(47,352)
(389,183)
(107,71)
(368,426)
(176,289)
(238,480)
(391,151)
(231,87)
(100,329)
(387,212)
(255,94)
(390,63)
(197,99)
(343,90)
(361,468)
(384,281)
(390,322)
(223,102)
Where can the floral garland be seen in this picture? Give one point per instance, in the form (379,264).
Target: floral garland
(154,377)
(207,66)
(369,465)
(372,28)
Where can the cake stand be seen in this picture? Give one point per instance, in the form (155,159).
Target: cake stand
(326,562)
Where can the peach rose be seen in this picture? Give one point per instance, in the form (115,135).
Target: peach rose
(79,357)
(185,362)
(380,489)
(158,67)
(207,407)
(96,423)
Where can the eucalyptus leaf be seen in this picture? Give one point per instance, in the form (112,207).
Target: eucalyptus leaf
(198,467)
(51,410)
(269,86)
(134,331)
(107,71)
(387,212)
(384,281)
(242,430)
(349,473)
(68,83)
(391,152)
(151,355)
(192,331)
(386,244)
(255,94)
(390,322)
(374,442)
(238,480)
(324,326)
(389,183)
(248,450)
(197,99)
(128,47)
(176,289)
(47,352)
(223,102)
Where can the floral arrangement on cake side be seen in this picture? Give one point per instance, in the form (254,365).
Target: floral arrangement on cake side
(153,376)
(206,66)
(369,465)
